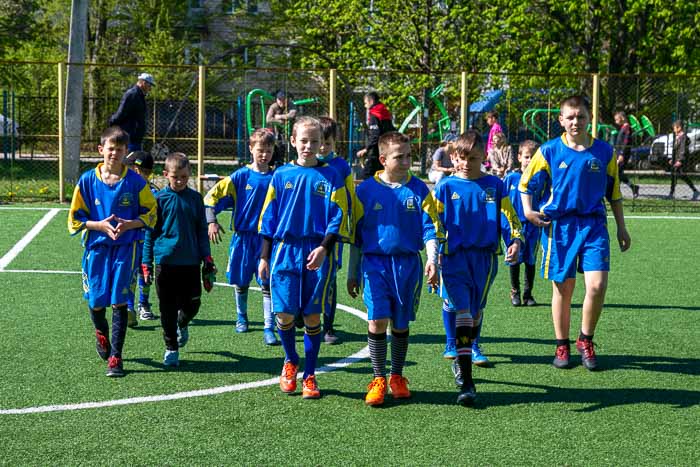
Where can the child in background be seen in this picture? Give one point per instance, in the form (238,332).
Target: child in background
(141,162)
(500,156)
(469,205)
(178,244)
(110,204)
(396,218)
(582,172)
(494,127)
(530,233)
(327,154)
(303,216)
(442,160)
(244,191)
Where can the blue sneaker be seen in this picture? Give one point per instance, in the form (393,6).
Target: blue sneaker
(242,324)
(450,352)
(183,335)
(269,337)
(171,358)
(478,358)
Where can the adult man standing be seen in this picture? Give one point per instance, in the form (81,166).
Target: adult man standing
(279,118)
(131,114)
(378,123)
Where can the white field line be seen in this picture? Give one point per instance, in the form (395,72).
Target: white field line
(672,218)
(38,271)
(21,245)
(342,363)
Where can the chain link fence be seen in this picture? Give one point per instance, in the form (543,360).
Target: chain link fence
(425,106)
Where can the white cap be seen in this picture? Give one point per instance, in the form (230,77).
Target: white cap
(147,77)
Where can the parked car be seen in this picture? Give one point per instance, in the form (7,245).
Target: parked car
(661,151)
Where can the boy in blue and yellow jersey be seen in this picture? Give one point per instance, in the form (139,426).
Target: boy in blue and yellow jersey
(530,233)
(395,218)
(141,162)
(244,192)
(177,245)
(304,215)
(109,206)
(582,172)
(470,204)
(329,129)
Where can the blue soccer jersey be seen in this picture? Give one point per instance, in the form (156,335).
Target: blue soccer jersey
(305,203)
(244,191)
(395,221)
(579,179)
(470,211)
(93,200)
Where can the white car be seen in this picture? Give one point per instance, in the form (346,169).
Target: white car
(661,150)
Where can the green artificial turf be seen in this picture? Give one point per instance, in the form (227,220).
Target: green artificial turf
(642,409)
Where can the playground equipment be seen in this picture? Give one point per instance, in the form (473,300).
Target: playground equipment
(531,124)
(262,97)
(444,124)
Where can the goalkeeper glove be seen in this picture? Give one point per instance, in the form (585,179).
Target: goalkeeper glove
(147,271)
(208,273)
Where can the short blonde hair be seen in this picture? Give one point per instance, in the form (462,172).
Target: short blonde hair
(306,121)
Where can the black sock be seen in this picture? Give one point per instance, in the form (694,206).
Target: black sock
(565,342)
(377,353)
(585,337)
(119,318)
(465,367)
(99,320)
(399,349)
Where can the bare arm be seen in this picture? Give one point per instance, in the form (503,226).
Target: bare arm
(623,237)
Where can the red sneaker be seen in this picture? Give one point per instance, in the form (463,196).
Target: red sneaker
(399,387)
(288,379)
(561,357)
(588,358)
(310,389)
(376,390)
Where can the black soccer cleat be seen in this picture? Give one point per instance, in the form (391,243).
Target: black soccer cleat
(467,396)
(561,357)
(588,358)
(115,368)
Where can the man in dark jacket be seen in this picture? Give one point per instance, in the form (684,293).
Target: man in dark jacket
(378,123)
(131,114)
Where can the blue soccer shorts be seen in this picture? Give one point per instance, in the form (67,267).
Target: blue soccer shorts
(575,243)
(391,287)
(243,258)
(530,243)
(295,289)
(466,278)
(109,274)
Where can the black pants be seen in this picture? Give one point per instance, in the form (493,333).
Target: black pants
(179,292)
(676,173)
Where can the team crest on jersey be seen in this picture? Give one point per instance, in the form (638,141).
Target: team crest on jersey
(248,187)
(126,200)
(455,196)
(563,165)
(97,201)
(288,186)
(322,189)
(490,195)
(411,204)
(594,165)
(377,206)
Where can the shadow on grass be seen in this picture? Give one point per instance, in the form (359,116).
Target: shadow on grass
(229,362)
(683,366)
(626,306)
(593,399)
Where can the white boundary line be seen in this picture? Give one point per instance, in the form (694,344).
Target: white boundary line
(38,271)
(342,363)
(21,245)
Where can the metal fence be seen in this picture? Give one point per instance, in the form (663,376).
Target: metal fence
(208,113)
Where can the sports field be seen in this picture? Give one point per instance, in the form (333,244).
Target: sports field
(223,405)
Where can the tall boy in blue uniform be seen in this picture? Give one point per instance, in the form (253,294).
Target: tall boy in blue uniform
(395,218)
(304,215)
(110,205)
(177,245)
(327,154)
(582,172)
(470,204)
(141,162)
(244,192)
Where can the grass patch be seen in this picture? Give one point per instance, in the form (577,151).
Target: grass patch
(642,410)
